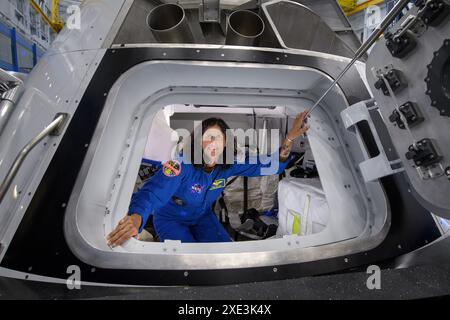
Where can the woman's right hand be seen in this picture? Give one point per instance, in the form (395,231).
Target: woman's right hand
(128,227)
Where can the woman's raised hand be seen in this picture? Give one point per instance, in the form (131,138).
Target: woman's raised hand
(299,127)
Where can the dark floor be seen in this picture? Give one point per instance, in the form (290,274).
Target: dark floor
(410,283)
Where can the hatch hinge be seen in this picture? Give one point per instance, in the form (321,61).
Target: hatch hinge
(378,166)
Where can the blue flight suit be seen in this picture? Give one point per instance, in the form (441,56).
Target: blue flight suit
(181,198)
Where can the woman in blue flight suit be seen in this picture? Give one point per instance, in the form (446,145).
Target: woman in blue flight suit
(180,194)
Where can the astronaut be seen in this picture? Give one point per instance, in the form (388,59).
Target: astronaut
(181,193)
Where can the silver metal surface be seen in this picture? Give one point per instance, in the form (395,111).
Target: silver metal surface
(51,128)
(293,25)
(209,11)
(169,25)
(7,103)
(118,22)
(56,84)
(244,28)
(432,193)
(19,75)
(214,32)
(399,6)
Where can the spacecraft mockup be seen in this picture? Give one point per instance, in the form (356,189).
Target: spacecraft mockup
(72,136)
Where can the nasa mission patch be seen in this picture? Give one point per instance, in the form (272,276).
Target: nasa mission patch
(172,168)
(197,188)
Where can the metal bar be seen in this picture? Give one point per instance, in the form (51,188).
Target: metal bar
(12,172)
(365,46)
(56,19)
(363,6)
(7,77)
(7,104)
(44,16)
(55,11)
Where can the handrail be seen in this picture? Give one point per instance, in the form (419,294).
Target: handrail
(8,102)
(8,77)
(54,128)
(374,36)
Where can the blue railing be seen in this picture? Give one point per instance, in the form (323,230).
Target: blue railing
(26,48)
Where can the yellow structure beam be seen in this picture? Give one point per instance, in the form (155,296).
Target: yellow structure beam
(55,23)
(362,6)
(347,5)
(56,20)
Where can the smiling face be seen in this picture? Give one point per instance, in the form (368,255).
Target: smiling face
(213,143)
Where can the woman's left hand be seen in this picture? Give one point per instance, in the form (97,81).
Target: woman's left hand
(299,127)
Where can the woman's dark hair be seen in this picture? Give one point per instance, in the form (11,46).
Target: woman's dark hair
(197,134)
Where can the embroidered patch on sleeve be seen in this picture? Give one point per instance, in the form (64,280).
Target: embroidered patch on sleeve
(171,168)
(217,184)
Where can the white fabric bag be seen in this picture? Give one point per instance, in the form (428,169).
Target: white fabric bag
(303,208)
